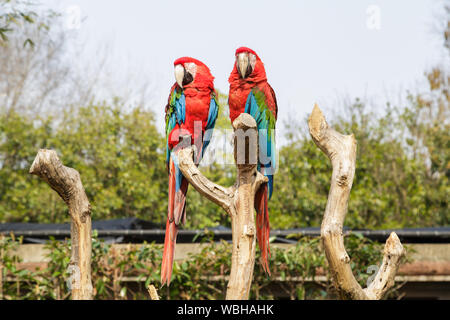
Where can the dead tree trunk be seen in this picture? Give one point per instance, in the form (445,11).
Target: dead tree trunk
(341,150)
(237,201)
(67,183)
(1,270)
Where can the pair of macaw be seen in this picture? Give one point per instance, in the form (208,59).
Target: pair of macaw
(192,111)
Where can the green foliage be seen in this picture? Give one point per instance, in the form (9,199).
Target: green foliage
(300,185)
(18,283)
(402,169)
(290,269)
(125,271)
(396,176)
(117,153)
(23,198)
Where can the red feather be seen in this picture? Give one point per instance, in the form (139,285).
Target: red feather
(245,49)
(176,215)
(263,226)
(171,230)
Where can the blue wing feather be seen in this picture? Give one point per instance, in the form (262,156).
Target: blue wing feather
(212,117)
(175,114)
(180,107)
(257,108)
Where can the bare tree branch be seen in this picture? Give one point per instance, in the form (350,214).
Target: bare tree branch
(341,150)
(214,192)
(67,183)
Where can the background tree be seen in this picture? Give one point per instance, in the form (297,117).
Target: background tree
(117,153)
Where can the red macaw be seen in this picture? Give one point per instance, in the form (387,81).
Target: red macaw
(251,93)
(192,110)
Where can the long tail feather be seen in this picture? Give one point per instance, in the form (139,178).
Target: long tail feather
(263,226)
(176,215)
(180,202)
(168,253)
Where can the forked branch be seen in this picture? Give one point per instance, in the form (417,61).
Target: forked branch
(341,150)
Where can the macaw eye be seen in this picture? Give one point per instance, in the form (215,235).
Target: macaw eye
(188,78)
(189,75)
(185,74)
(251,64)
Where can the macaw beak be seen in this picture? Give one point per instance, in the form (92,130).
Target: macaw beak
(242,64)
(179,74)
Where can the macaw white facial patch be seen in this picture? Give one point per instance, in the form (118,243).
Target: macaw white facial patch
(191,68)
(252,59)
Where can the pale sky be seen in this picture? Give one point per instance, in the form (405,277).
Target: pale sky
(313,51)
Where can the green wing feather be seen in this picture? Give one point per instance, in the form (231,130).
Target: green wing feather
(257,106)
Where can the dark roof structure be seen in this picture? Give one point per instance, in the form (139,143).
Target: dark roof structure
(133,230)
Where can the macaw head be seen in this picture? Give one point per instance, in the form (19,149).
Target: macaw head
(190,72)
(248,67)
(245,61)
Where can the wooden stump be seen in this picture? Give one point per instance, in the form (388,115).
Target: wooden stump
(67,183)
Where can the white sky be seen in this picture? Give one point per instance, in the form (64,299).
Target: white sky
(313,51)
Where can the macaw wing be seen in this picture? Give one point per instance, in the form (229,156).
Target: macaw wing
(264,112)
(175,115)
(274,106)
(211,122)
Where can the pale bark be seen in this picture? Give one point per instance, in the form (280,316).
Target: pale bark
(237,201)
(67,183)
(1,270)
(152,292)
(341,150)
